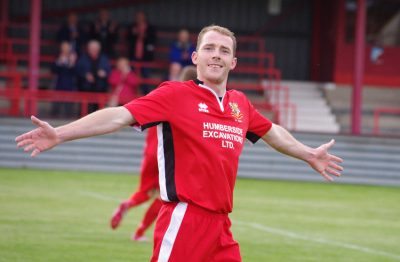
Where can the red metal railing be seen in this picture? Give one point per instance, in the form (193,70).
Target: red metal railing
(19,98)
(82,98)
(6,54)
(12,92)
(284,112)
(377,114)
(16,94)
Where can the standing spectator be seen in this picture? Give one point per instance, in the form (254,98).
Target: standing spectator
(142,40)
(180,54)
(105,31)
(121,47)
(64,71)
(93,69)
(72,32)
(123,82)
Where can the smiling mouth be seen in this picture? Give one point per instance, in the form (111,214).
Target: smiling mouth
(214,66)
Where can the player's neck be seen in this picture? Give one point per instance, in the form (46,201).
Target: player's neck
(218,88)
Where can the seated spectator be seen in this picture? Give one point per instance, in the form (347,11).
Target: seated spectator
(64,71)
(123,82)
(72,32)
(180,54)
(93,69)
(142,39)
(104,30)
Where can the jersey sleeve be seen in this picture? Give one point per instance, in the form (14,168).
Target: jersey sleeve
(154,108)
(259,125)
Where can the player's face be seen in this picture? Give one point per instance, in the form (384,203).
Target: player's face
(214,57)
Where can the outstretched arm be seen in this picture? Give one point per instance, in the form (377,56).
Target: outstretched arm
(318,158)
(45,137)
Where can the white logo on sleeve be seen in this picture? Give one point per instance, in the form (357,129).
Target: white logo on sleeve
(203,108)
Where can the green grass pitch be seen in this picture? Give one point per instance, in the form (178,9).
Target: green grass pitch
(64,216)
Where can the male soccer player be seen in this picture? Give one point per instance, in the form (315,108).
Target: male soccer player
(201,128)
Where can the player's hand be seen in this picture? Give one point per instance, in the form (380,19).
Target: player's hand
(43,138)
(89,78)
(326,164)
(101,73)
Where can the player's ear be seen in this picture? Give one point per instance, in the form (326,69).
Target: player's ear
(194,58)
(234,63)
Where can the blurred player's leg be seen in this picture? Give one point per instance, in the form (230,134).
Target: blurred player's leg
(148,219)
(148,185)
(136,199)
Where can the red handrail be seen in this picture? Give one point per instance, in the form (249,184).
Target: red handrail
(12,92)
(83,98)
(377,114)
(277,100)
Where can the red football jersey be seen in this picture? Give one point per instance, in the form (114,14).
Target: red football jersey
(200,138)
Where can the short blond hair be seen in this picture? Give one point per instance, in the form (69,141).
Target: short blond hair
(219,29)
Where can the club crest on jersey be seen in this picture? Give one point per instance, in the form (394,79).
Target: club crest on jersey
(235,111)
(203,108)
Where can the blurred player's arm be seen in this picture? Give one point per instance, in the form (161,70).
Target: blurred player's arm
(45,137)
(318,158)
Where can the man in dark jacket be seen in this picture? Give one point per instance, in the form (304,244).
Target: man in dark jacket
(93,69)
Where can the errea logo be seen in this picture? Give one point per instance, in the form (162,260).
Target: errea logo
(203,108)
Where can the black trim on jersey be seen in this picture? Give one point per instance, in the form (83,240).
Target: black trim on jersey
(143,127)
(169,156)
(198,82)
(252,137)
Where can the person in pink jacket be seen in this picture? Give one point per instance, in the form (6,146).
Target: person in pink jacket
(124,83)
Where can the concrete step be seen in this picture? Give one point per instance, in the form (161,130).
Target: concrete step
(307,110)
(317,178)
(317,119)
(367,159)
(327,130)
(68,166)
(364,156)
(312,110)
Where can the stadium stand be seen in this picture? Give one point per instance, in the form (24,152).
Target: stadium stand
(368,159)
(256,74)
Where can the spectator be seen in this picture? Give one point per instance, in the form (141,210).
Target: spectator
(121,47)
(105,31)
(180,54)
(72,32)
(64,71)
(93,69)
(142,40)
(123,82)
